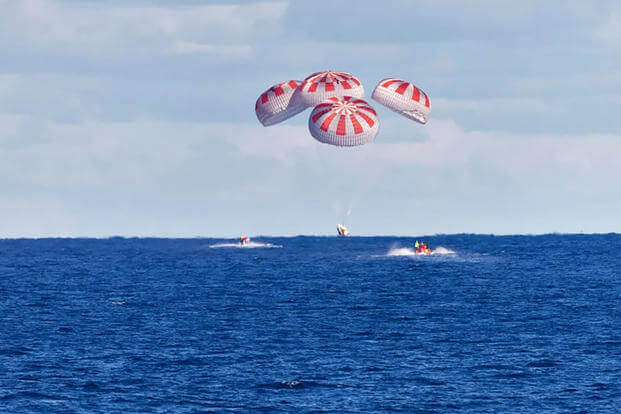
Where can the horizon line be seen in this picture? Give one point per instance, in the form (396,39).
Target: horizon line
(303,235)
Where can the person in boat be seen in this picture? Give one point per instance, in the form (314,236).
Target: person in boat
(416,246)
(244,240)
(420,247)
(423,248)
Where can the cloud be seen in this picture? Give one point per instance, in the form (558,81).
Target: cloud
(192,47)
(96,29)
(102,178)
(81,153)
(405,21)
(276,143)
(136,117)
(522,107)
(610,30)
(521,155)
(60,97)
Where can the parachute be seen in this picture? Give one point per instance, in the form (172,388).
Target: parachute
(340,116)
(275,105)
(404,98)
(344,122)
(319,86)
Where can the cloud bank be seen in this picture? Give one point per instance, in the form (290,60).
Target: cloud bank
(136,118)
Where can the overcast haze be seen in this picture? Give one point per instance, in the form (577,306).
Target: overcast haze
(136,118)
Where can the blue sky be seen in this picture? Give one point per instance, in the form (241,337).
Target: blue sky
(136,118)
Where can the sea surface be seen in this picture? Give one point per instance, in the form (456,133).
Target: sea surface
(523,324)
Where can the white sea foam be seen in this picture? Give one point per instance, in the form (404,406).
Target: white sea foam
(442,250)
(406,251)
(250,245)
(401,251)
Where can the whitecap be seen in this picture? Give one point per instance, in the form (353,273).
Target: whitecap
(250,245)
(406,251)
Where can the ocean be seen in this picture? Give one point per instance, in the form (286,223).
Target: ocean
(523,324)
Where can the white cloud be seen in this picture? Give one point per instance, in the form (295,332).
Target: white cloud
(157,175)
(279,143)
(96,29)
(610,30)
(147,147)
(141,174)
(521,107)
(56,96)
(193,47)
(500,11)
(105,154)
(590,156)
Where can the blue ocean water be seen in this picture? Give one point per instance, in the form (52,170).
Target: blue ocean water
(495,324)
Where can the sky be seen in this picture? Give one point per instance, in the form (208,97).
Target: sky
(136,118)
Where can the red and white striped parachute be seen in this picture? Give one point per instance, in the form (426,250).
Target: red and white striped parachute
(319,86)
(275,104)
(404,98)
(344,122)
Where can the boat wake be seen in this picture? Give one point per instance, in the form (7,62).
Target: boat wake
(442,250)
(401,251)
(250,245)
(406,251)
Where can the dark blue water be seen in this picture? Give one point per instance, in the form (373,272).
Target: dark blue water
(506,324)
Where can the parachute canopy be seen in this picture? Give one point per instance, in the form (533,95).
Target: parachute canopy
(340,116)
(275,104)
(319,86)
(404,98)
(344,122)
